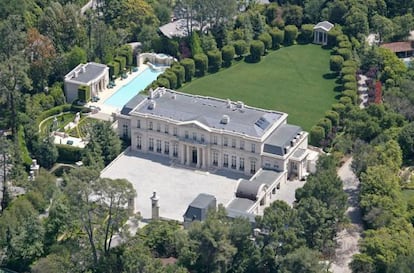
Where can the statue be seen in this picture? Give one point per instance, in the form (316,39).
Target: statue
(77,118)
(55,124)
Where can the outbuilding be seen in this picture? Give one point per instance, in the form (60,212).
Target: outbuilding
(320,32)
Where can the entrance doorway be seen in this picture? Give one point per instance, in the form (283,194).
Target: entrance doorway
(194,159)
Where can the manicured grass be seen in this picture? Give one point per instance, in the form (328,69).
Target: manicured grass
(290,80)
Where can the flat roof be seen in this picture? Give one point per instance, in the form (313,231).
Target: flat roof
(86,72)
(241,204)
(203,201)
(211,112)
(280,138)
(177,28)
(267,177)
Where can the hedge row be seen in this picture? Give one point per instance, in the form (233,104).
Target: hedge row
(69,154)
(53,111)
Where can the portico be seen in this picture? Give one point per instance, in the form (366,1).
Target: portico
(194,155)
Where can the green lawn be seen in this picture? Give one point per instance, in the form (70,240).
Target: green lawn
(288,80)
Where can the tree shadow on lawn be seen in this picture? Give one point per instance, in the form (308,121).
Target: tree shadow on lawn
(330,76)
(338,88)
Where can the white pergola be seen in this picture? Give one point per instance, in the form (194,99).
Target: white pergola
(320,32)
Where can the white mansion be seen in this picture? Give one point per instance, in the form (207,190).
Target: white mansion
(210,133)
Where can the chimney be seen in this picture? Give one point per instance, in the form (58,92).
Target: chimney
(155,207)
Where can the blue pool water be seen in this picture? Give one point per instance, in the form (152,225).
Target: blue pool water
(129,90)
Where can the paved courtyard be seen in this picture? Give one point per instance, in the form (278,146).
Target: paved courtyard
(175,185)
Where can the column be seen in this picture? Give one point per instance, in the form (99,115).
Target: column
(188,150)
(181,153)
(205,162)
(198,157)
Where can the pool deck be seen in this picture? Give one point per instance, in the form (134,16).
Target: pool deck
(107,110)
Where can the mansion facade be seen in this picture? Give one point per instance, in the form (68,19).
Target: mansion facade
(211,133)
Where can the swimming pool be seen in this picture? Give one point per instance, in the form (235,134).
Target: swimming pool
(129,90)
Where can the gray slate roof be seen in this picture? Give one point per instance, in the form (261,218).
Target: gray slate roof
(92,70)
(132,103)
(210,112)
(325,25)
(177,28)
(197,210)
(280,139)
(240,204)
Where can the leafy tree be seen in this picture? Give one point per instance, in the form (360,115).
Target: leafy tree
(312,10)
(383,26)
(75,56)
(293,15)
(306,33)
(195,44)
(301,260)
(208,43)
(46,152)
(406,141)
(356,23)
(240,47)
(5,164)
(335,63)
(160,237)
(102,133)
(403,25)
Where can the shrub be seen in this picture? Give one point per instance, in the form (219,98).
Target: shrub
(214,60)
(69,154)
(84,93)
(113,69)
(339,108)
(189,67)
(341,38)
(291,33)
(122,63)
(79,108)
(126,51)
(326,124)
(332,36)
(350,63)
(350,85)
(348,78)
(179,71)
(227,54)
(333,116)
(348,71)
(345,100)
(278,37)
(195,44)
(345,53)
(53,111)
(317,134)
(256,50)
(335,63)
(201,64)
(306,33)
(162,81)
(345,44)
(350,94)
(266,39)
(171,77)
(240,47)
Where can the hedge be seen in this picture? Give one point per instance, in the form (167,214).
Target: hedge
(84,93)
(79,108)
(335,63)
(179,71)
(348,78)
(306,33)
(122,63)
(266,39)
(345,44)
(227,54)
(278,36)
(350,85)
(332,37)
(326,124)
(126,51)
(171,77)
(257,49)
(350,94)
(214,60)
(113,69)
(345,53)
(350,63)
(240,47)
(317,134)
(68,153)
(201,64)
(348,71)
(291,33)
(27,160)
(333,116)
(162,81)
(53,111)
(339,108)
(189,67)
(345,100)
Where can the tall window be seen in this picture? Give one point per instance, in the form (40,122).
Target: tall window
(175,149)
(233,162)
(225,160)
(125,130)
(138,123)
(151,144)
(166,148)
(241,145)
(158,146)
(215,158)
(158,127)
(253,166)
(241,164)
(139,142)
(166,129)
(194,136)
(233,143)
(253,148)
(150,125)
(225,141)
(215,140)
(175,131)
(202,138)
(186,134)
